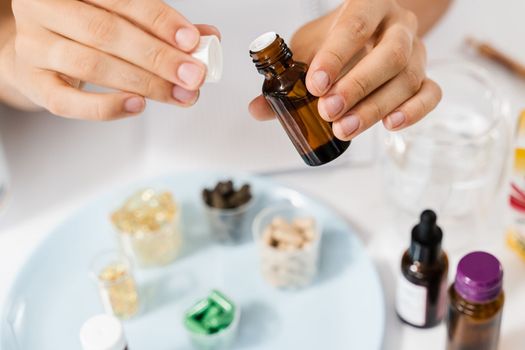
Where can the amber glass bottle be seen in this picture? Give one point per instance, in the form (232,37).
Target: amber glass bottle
(285,89)
(476,304)
(422,286)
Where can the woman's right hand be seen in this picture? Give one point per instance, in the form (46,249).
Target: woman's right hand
(138,48)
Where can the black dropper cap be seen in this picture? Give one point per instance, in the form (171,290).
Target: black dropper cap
(426,239)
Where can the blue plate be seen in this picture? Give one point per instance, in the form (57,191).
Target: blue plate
(53,295)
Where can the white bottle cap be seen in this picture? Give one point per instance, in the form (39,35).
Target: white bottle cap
(209,52)
(263,42)
(102,332)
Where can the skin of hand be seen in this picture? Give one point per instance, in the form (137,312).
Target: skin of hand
(370,67)
(136,48)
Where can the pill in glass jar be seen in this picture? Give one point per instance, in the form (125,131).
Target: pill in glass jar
(116,284)
(212,322)
(227,208)
(289,251)
(149,228)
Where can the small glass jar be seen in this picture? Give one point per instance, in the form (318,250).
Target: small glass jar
(287,268)
(230,225)
(149,228)
(476,302)
(118,291)
(212,323)
(103,332)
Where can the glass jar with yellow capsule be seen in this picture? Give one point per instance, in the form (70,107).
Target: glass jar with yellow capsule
(149,229)
(113,275)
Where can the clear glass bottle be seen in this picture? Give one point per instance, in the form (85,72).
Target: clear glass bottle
(103,332)
(476,302)
(285,90)
(422,286)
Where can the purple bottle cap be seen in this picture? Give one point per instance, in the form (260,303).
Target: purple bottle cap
(479,277)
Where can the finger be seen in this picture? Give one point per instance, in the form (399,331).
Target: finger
(384,62)
(206,29)
(157,18)
(382,102)
(416,108)
(260,109)
(114,35)
(63,100)
(75,60)
(356,23)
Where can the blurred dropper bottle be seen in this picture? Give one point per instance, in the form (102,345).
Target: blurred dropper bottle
(422,284)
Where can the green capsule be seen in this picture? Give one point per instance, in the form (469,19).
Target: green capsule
(220,299)
(195,326)
(199,309)
(211,318)
(210,315)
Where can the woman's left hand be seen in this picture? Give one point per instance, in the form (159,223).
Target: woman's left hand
(387,83)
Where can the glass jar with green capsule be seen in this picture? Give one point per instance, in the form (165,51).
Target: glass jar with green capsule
(212,322)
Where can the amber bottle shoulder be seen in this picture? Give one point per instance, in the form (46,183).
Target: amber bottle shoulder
(286,82)
(476,311)
(417,271)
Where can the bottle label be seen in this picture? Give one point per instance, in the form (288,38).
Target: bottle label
(411,302)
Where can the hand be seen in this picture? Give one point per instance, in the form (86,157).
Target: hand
(370,67)
(137,48)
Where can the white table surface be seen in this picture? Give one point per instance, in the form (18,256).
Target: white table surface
(50,182)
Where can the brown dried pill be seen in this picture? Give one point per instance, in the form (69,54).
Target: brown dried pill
(245,190)
(238,199)
(225,188)
(224,195)
(217,201)
(206,196)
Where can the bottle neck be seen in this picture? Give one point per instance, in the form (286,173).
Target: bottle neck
(426,240)
(273,59)
(424,254)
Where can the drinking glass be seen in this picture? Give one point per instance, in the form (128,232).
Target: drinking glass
(453,161)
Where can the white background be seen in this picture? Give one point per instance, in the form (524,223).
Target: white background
(57,165)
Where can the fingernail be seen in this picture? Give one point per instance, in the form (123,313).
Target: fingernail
(395,120)
(348,125)
(331,107)
(134,104)
(183,95)
(191,74)
(186,38)
(321,81)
